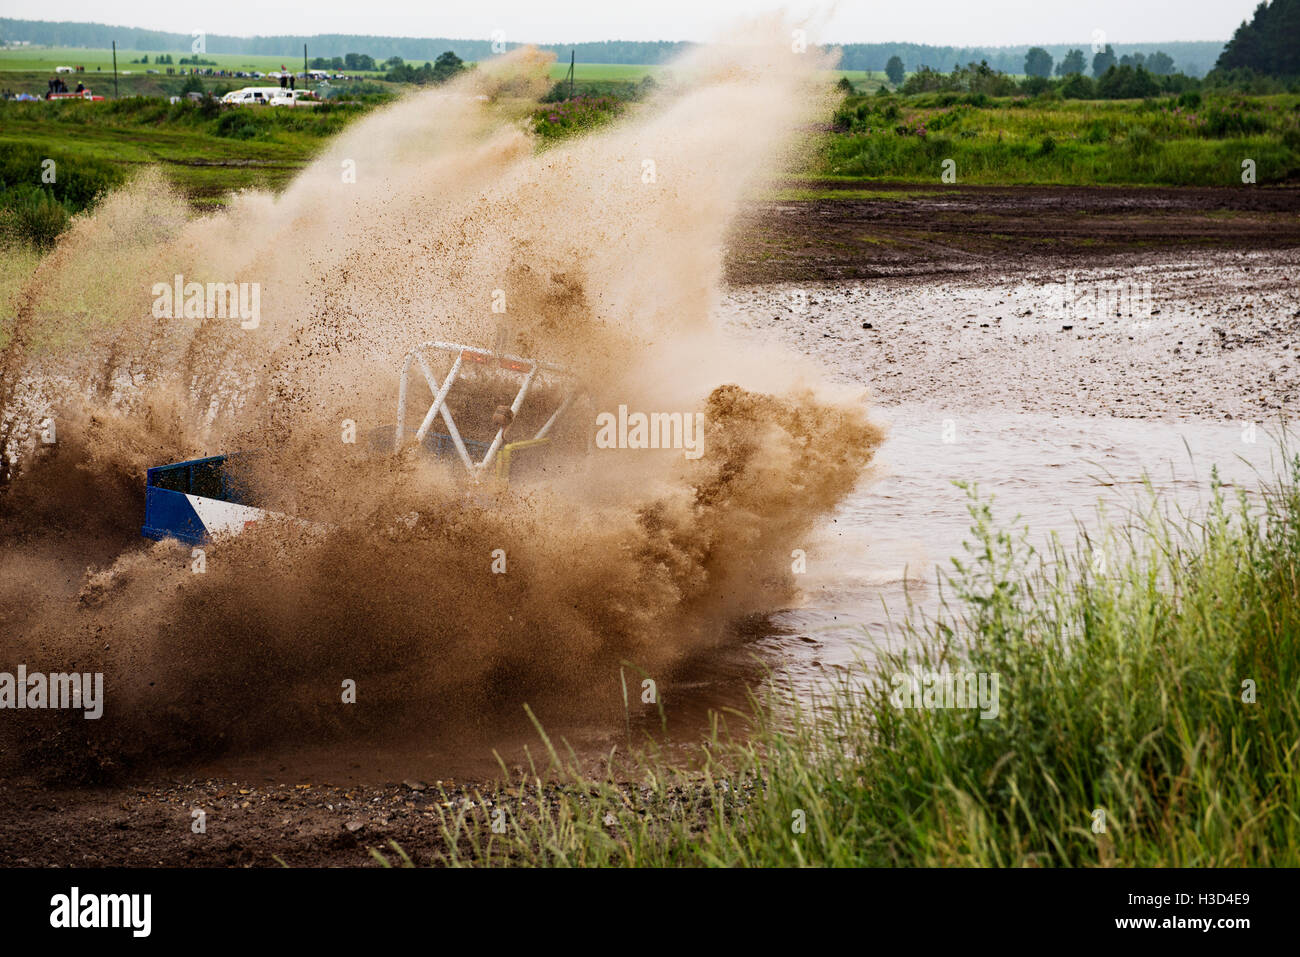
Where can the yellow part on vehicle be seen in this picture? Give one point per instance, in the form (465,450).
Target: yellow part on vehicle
(507,452)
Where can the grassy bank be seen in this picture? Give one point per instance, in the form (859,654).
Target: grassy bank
(1192,140)
(1148,715)
(203,150)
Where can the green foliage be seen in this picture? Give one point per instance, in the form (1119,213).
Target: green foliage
(1071,63)
(1161,64)
(894,70)
(626,90)
(78,180)
(29,214)
(441,70)
(998,140)
(1126,83)
(1233,118)
(1141,142)
(1269,44)
(972,78)
(238,124)
(1103,60)
(1077,86)
(575,117)
(1038,62)
(1035,85)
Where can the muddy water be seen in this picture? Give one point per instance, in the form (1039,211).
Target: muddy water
(981,381)
(1045,473)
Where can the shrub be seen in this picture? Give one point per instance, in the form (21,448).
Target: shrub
(1126,83)
(1077,87)
(1233,119)
(32,215)
(1097,132)
(1141,141)
(575,116)
(237,124)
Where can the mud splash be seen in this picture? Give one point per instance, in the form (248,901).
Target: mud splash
(606,254)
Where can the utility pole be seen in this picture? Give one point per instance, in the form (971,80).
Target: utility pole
(304,63)
(115,69)
(572,59)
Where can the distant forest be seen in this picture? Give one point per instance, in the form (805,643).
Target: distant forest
(1192,58)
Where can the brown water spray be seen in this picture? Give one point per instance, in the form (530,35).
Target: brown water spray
(605,253)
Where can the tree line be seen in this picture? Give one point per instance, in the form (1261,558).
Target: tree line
(1195,58)
(1268,44)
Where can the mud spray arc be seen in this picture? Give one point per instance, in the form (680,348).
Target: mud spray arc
(632,556)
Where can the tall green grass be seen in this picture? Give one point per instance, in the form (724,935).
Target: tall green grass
(1149,716)
(1164,141)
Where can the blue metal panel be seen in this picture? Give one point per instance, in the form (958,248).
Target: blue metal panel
(169,514)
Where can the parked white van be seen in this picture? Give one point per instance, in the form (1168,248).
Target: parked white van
(252,95)
(292,97)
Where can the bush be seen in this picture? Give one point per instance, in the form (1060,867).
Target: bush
(1233,119)
(577,116)
(1097,132)
(78,181)
(1126,83)
(1078,87)
(32,215)
(1141,141)
(238,124)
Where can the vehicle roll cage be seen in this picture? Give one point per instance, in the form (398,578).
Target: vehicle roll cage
(531,368)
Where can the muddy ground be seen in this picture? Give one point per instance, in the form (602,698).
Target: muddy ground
(970,299)
(909,230)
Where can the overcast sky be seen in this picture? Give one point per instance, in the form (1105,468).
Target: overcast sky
(942,22)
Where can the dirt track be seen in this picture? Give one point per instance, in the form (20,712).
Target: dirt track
(940,281)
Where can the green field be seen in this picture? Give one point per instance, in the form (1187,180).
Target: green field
(45,59)
(604,71)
